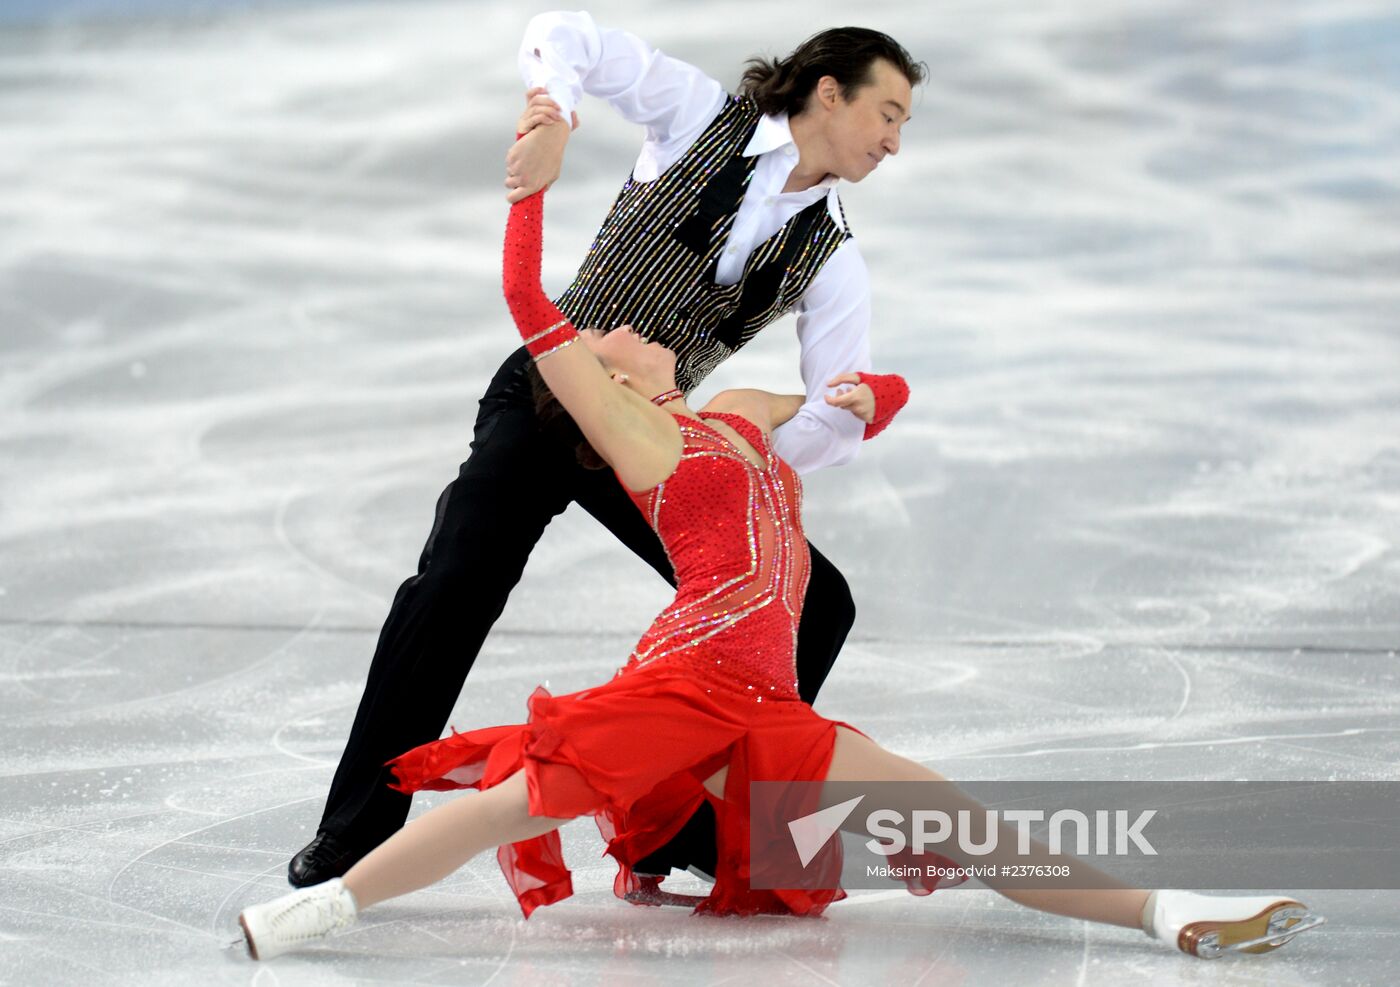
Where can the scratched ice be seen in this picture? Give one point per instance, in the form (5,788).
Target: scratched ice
(1139,263)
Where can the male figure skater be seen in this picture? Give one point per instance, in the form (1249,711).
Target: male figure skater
(729,220)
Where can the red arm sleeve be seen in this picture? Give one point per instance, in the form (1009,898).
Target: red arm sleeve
(543,327)
(891,394)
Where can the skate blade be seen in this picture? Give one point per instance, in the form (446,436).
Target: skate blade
(1261,933)
(247,938)
(653,896)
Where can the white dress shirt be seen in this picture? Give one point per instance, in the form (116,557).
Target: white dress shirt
(570,55)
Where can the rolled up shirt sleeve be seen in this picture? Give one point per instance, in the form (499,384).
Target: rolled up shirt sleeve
(833,329)
(569,54)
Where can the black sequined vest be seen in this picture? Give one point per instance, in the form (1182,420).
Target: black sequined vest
(652,264)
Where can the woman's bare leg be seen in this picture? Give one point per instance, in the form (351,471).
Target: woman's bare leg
(442,840)
(858,758)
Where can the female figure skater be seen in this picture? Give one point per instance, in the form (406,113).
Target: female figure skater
(707,701)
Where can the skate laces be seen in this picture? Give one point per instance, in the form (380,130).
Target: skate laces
(312,916)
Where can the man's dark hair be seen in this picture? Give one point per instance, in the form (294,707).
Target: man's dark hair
(782,85)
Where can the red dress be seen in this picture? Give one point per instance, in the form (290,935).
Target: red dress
(711,683)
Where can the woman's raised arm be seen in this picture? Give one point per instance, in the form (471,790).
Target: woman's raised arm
(631,435)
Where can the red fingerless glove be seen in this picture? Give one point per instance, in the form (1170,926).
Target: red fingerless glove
(543,327)
(891,394)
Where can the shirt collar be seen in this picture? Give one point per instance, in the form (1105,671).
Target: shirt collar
(773,134)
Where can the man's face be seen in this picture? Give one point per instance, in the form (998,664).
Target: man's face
(865,128)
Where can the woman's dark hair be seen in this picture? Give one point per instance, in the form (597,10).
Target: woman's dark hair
(782,85)
(559,424)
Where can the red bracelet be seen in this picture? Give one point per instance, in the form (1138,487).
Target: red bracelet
(891,394)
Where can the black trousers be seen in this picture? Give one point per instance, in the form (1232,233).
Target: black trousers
(515,481)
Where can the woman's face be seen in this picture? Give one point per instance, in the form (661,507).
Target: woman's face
(624,351)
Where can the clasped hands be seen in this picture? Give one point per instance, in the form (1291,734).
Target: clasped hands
(534,160)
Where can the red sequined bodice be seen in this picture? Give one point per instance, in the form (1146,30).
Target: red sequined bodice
(733,533)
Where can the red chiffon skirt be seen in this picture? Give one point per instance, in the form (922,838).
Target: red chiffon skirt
(634,753)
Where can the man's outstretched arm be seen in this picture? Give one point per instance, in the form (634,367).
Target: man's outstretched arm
(569,55)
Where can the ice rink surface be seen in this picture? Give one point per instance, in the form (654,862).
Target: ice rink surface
(1140,263)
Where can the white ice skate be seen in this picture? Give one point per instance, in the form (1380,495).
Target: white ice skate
(297,919)
(1211,927)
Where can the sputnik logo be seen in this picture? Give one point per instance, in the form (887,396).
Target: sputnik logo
(810,833)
